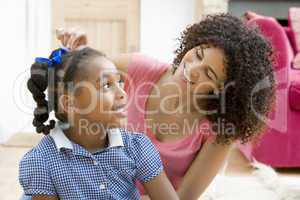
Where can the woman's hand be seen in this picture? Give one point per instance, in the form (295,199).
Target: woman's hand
(159,188)
(145,197)
(72,39)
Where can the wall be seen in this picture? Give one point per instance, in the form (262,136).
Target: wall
(25,34)
(163,21)
(12,36)
(277,9)
(161,24)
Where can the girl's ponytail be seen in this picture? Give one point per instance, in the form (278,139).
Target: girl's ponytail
(37,84)
(44,74)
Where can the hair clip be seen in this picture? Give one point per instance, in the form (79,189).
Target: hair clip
(56,57)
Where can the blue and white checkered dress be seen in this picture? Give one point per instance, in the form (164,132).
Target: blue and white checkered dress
(56,166)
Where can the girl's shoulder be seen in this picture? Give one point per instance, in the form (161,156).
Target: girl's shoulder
(43,149)
(131,138)
(138,144)
(144,153)
(34,169)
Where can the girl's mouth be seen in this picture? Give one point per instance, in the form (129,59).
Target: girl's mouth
(120,110)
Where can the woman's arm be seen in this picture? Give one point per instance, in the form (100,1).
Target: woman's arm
(160,188)
(76,39)
(121,61)
(203,170)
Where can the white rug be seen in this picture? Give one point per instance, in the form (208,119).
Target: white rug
(264,184)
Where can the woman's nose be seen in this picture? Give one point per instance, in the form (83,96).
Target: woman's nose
(194,73)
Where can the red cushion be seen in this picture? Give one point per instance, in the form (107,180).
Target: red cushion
(272,30)
(294,95)
(294,25)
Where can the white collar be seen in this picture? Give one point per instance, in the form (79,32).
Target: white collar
(61,141)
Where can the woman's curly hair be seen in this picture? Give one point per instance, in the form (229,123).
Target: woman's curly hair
(249,67)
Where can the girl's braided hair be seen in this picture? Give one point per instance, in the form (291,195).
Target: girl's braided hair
(43,76)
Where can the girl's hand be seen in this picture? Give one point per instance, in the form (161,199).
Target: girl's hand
(72,39)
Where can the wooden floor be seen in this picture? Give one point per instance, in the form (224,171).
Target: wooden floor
(14,149)
(10,154)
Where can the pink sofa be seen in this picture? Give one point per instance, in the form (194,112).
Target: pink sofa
(280,144)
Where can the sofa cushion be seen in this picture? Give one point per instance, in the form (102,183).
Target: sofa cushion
(294,25)
(294,95)
(289,33)
(276,34)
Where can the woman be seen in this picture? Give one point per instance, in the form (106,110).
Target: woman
(211,96)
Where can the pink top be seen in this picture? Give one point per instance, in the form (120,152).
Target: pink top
(143,73)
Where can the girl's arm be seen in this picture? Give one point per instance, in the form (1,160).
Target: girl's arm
(203,170)
(160,188)
(149,169)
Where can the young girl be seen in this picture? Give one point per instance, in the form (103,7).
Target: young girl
(221,66)
(85,155)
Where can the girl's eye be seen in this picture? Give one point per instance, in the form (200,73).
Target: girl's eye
(108,85)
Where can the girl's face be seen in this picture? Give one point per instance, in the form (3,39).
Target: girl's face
(202,69)
(101,98)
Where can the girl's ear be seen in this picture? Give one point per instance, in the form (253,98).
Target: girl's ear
(67,104)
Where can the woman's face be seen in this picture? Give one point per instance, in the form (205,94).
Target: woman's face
(202,70)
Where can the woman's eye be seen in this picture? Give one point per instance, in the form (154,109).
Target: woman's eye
(199,54)
(210,75)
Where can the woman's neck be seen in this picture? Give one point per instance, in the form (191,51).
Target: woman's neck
(89,139)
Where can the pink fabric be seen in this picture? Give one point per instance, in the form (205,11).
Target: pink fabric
(279,40)
(296,61)
(280,144)
(143,73)
(294,96)
(289,33)
(294,25)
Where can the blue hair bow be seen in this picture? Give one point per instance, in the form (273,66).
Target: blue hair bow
(56,58)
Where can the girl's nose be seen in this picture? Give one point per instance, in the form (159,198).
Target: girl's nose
(120,93)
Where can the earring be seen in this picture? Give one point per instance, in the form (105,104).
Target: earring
(175,67)
(216,91)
